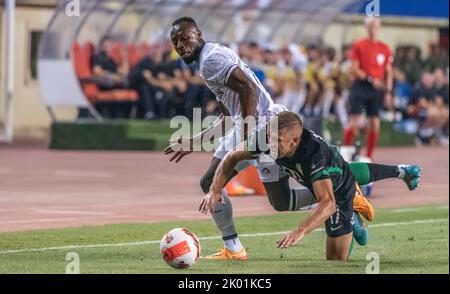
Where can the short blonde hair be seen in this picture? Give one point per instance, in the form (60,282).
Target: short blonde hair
(289,120)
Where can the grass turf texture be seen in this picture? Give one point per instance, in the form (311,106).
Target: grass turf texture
(407,248)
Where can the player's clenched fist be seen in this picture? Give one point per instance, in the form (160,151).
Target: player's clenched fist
(290,239)
(180,147)
(209,201)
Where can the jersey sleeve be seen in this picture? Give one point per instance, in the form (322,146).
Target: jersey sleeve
(319,170)
(356,53)
(389,56)
(218,68)
(257,143)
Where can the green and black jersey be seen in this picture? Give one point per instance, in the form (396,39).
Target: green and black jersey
(317,160)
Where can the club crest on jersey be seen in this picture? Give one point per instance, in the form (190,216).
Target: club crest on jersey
(299,169)
(217,91)
(296,174)
(381,58)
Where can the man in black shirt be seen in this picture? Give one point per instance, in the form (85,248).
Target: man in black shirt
(319,167)
(428,103)
(153,81)
(106,73)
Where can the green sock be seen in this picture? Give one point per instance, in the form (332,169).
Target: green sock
(361,172)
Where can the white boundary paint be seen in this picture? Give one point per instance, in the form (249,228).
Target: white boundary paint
(140,243)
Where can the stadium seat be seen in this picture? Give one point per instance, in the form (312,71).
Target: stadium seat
(137,52)
(82,63)
(144,49)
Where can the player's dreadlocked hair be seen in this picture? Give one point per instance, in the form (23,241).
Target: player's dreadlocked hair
(289,120)
(185,19)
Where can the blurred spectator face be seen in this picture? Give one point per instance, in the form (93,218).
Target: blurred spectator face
(158,56)
(271,57)
(440,77)
(412,54)
(400,53)
(255,53)
(398,75)
(313,53)
(427,80)
(106,45)
(373,26)
(347,52)
(434,49)
(329,54)
(244,50)
(286,55)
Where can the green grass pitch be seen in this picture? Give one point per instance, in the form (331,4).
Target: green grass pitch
(413,240)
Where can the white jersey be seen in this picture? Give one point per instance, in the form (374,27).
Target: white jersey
(216,64)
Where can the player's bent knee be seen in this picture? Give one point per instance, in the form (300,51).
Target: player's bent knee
(276,201)
(278,194)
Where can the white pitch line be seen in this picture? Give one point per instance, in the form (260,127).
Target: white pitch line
(139,243)
(43,220)
(51,211)
(401,210)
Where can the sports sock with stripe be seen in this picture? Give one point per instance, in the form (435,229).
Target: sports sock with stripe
(301,199)
(234,245)
(365,173)
(223,217)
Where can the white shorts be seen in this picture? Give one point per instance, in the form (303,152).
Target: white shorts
(269,171)
(232,139)
(229,142)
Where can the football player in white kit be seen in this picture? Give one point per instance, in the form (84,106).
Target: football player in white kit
(239,95)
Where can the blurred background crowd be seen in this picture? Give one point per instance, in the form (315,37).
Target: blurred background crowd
(311,79)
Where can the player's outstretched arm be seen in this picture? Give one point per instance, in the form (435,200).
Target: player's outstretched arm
(323,189)
(223,171)
(182,147)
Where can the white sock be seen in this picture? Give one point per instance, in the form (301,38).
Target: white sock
(234,245)
(401,171)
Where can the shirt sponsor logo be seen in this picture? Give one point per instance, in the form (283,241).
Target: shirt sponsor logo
(266,171)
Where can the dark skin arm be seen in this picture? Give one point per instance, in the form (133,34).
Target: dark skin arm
(246,89)
(177,145)
(224,169)
(323,190)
